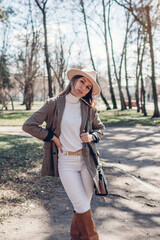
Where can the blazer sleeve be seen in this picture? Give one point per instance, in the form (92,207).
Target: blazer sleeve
(33,124)
(97,126)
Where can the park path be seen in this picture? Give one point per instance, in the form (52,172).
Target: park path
(13,130)
(131,158)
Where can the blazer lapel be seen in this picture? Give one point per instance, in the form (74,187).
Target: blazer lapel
(84,113)
(59,111)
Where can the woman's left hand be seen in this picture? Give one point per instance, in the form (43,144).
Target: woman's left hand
(86,137)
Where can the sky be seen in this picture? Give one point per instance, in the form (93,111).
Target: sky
(62,14)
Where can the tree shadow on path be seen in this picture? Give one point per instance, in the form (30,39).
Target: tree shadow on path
(127,213)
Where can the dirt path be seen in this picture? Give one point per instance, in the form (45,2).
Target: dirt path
(14,130)
(131,158)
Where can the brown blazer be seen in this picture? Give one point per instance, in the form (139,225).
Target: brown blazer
(52,113)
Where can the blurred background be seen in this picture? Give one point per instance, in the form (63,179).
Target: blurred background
(41,39)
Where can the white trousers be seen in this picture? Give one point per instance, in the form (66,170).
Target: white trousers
(76,181)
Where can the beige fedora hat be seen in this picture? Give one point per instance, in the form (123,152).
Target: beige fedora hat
(90,74)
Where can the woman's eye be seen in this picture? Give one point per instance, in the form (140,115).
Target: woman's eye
(82,81)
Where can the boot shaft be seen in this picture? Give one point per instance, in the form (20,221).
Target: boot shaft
(86,225)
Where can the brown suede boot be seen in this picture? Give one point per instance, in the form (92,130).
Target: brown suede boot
(75,232)
(86,225)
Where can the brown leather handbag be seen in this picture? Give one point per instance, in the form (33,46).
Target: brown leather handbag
(103,186)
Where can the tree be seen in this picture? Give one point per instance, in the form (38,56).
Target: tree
(30,68)
(141,14)
(143,97)
(59,67)
(90,50)
(48,65)
(27,62)
(137,70)
(128,28)
(62,53)
(108,57)
(5,82)
(154,89)
(3,14)
(117,73)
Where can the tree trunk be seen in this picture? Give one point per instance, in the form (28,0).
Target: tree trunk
(90,52)
(28,94)
(108,59)
(1,92)
(143,92)
(1,86)
(50,92)
(126,77)
(11,99)
(123,104)
(155,97)
(137,93)
(138,71)
(118,76)
(143,98)
(125,65)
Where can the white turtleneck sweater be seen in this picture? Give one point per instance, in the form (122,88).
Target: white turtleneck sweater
(70,125)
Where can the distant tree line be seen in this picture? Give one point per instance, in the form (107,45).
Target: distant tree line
(36,18)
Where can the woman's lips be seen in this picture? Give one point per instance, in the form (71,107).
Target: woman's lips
(79,91)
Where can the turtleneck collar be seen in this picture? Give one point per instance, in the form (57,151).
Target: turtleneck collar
(71,98)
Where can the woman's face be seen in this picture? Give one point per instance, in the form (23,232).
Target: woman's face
(81,87)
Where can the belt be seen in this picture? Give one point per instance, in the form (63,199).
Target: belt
(79,152)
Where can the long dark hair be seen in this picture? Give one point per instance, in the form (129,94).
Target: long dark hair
(87,98)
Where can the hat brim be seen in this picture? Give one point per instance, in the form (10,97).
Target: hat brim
(74,72)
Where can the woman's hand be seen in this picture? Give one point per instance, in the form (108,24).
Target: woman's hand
(86,137)
(58,143)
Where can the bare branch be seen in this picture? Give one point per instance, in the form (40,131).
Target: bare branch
(39,5)
(130,9)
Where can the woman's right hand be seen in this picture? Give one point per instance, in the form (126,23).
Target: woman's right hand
(58,143)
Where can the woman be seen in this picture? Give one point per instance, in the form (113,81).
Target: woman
(66,153)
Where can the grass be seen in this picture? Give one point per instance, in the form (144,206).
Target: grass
(20,178)
(112,117)
(128,117)
(14,118)
(18,116)
(18,154)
